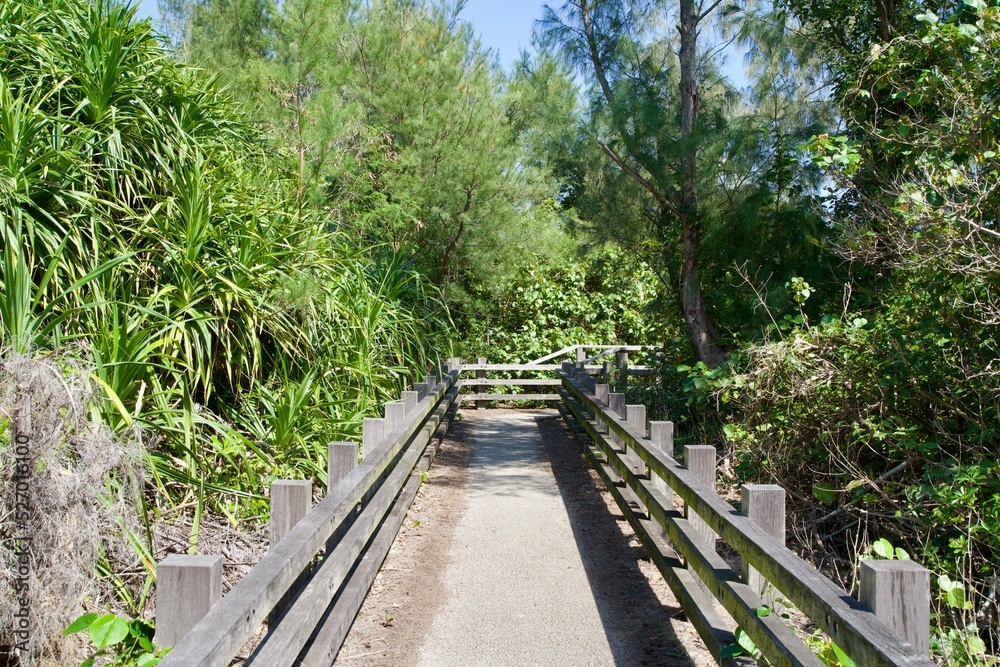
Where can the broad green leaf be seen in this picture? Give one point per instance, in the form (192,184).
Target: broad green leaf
(956,597)
(883,548)
(108,630)
(743,639)
(79,624)
(825,493)
(731,651)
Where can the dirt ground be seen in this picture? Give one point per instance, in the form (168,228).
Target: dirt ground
(410,590)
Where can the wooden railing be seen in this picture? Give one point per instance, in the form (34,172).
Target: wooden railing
(480,386)
(890,626)
(324,558)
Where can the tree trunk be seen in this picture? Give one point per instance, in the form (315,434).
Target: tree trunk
(701,333)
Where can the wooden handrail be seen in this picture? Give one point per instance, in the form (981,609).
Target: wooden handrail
(848,622)
(217,637)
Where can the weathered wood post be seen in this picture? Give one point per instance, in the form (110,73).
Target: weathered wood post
(605,372)
(432,381)
(764,504)
(635,415)
(409,399)
(581,354)
(622,363)
(700,460)
(187,587)
(661,435)
(372,433)
(421,390)
(481,388)
(342,457)
(899,592)
(601,392)
(616,406)
(395,413)
(290,502)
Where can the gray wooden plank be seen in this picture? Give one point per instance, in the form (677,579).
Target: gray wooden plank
(503,382)
(510,397)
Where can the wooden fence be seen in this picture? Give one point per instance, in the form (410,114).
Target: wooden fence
(635,459)
(323,560)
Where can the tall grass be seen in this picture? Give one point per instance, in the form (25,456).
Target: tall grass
(143,219)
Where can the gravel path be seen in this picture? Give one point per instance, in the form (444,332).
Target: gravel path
(513,556)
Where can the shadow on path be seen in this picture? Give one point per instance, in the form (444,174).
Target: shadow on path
(636,622)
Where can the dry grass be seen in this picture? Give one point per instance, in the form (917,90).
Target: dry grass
(82,486)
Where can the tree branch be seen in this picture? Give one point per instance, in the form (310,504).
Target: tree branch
(709,10)
(653,190)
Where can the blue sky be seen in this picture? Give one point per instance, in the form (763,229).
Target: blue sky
(502,26)
(505,26)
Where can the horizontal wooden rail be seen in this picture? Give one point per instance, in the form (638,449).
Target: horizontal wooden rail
(512,382)
(216,638)
(608,350)
(511,367)
(510,397)
(848,622)
(296,627)
(554,355)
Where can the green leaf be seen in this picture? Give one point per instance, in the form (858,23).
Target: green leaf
(89,662)
(956,598)
(79,624)
(883,549)
(731,651)
(743,639)
(825,493)
(147,660)
(845,661)
(763,611)
(108,630)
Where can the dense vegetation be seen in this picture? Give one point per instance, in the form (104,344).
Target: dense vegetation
(226,245)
